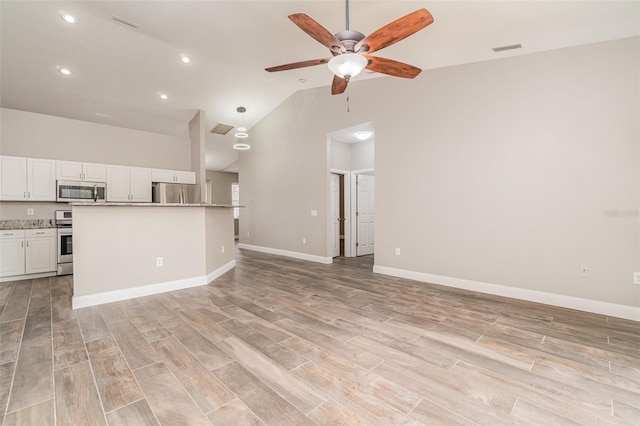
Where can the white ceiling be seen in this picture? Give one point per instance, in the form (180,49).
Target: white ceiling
(118,73)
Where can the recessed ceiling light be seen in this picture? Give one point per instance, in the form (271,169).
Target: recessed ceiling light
(69,19)
(241,129)
(65,71)
(363,136)
(185,59)
(164,96)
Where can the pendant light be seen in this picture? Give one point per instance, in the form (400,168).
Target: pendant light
(241,132)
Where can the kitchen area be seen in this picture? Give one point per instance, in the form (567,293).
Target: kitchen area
(121,231)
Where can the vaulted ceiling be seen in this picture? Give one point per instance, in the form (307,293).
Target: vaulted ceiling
(118,72)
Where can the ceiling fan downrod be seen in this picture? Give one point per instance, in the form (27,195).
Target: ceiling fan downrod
(347,15)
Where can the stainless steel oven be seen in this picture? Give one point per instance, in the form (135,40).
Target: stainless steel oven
(65,242)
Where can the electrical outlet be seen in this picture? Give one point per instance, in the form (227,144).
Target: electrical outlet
(636,277)
(158,261)
(223,249)
(29,212)
(248,234)
(304,240)
(584,272)
(397,252)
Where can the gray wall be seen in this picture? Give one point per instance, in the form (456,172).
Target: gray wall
(27,134)
(221,186)
(508,172)
(352,156)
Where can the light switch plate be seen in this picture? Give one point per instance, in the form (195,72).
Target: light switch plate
(29,212)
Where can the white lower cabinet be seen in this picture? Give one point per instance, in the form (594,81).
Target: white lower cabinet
(12,253)
(30,251)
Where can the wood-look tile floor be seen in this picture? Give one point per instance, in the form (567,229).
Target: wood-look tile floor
(280,341)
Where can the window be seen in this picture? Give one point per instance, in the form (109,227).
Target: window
(235,199)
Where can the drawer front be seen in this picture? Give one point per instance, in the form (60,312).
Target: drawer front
(12,233)
(35,233)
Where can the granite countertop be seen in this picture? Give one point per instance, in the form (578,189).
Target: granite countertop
(219,206)
(27,224)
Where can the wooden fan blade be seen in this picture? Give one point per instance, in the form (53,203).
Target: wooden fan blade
(391,67)
(295,65)
(339,85)
(395,31)
(317,31)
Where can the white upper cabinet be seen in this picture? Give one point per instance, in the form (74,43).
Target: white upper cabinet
(41,179)
(27,179)
(72,170)
(128,184)
(13,178)
(172,176)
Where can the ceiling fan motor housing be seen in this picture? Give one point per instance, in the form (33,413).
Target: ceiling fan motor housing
(349,39)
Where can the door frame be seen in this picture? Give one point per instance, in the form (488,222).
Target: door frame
(349,215)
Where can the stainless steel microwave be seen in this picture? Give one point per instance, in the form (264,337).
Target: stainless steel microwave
(81,191)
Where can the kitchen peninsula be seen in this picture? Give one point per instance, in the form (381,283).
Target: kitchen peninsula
(128,250)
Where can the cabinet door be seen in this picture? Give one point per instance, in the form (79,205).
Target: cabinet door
(140,184)
(160,175)
(185,177)
(41,179)
(13,178)
(93,172)
(40,255)
(11,257)
(68,170)
(118,183)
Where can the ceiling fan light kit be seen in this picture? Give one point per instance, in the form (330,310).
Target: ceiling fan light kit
(347,65)
(351,50)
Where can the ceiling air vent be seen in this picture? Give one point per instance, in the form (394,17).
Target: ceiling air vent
(126,23)
(221,129)
(509,47)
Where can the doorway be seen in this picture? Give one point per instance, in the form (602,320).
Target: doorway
(351,160)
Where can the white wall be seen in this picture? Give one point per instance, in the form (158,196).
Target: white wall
(502,172)
(27,134)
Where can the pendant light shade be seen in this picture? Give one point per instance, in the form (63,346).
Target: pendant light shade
(241,133)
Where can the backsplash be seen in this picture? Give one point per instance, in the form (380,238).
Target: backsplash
(27,224)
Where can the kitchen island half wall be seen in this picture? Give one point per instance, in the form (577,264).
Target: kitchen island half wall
(124,250)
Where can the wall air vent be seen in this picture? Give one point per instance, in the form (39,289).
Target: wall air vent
(221,129)
(126,23)
(509,47)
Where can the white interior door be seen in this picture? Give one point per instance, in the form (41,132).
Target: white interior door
(335,215)
(365,215)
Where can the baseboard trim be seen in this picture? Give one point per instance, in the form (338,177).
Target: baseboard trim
(221,271)
(587,305)
(78,302)
(287,253)
(27,277)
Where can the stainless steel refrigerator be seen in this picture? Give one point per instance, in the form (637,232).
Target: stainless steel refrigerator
(176,193)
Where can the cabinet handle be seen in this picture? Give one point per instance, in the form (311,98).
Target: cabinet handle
(21,243)
(24,195)
(39,233)
(27,243)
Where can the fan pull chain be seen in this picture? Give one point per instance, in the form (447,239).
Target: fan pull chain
(348,102)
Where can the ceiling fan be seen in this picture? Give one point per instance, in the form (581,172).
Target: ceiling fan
(351,49)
